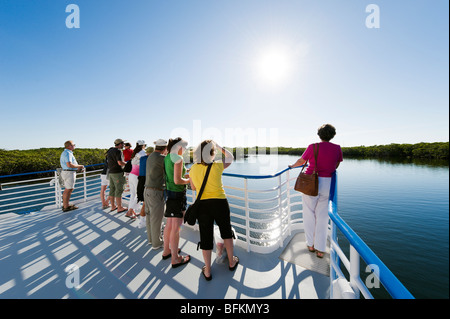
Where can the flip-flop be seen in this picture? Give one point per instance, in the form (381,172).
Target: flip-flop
(203,272)
(320,254)
(113,209)
(311,249)
(184,261)
(170,255)
(121,211)
(235,265)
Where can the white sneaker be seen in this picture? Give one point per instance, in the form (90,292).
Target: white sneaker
(141,222)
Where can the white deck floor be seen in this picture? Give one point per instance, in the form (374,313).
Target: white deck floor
(115,261)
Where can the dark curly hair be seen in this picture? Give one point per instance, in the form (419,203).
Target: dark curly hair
(176,141)
(205,152)
(326,132)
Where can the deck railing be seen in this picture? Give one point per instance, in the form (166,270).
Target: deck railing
(262,217)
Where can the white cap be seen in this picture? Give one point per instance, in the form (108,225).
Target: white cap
(160,142)
(140,142)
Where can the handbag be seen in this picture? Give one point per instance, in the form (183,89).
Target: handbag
(128,167)
(190,217)
(309,184)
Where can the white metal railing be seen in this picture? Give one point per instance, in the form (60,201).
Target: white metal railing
(260,229)
(30,195)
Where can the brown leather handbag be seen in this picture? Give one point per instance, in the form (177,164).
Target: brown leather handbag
(309,184)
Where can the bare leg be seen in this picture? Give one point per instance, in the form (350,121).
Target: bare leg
(166,236)
(112,201)
(66,197)
(119,203)
(175,239)
(207,259)
(229,246)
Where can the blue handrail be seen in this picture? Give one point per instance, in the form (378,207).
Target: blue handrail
(43,172)
(395,288)
(256,176)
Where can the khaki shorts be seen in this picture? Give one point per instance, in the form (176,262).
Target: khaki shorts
(69,178)
(116,184)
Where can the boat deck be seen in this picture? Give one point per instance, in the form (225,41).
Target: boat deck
(115,261)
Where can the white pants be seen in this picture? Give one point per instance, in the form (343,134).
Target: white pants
(133,182)
(315,215)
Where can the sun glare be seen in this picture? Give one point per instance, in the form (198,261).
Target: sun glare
(273,65)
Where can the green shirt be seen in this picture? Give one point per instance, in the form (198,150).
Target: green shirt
(169,163)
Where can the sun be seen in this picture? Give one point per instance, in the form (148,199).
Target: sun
(274,65)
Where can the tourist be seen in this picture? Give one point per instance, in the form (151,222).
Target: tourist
(315,208)
(133,204)
(104,183)
(127,151)
(213,205)
(154,195)
(116,178)
(176,203)
(141,188)
(69,167)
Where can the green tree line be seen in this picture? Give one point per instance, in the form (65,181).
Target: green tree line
(438,150)
(43,159)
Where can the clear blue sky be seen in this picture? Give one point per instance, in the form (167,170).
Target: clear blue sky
(244,72)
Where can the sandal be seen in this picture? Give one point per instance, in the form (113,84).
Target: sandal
(203,272)
(170,255)
(184,260)
(235,265)
(319,254)
(311,249)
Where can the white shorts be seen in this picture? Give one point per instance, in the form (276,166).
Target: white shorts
(105,181)
(69,178)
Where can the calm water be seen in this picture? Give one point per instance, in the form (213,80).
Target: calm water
(400,209)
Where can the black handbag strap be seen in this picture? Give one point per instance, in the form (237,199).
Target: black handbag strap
(204,181)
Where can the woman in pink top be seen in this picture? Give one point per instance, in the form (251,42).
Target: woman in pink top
(138,152)
(315,208)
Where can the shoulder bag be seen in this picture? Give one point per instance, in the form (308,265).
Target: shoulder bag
(309,184)
(190,217)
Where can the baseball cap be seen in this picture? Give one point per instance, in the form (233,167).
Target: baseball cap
(140,142)
(118,141)
(160,142)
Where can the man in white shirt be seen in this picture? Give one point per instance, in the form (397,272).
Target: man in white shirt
(69,167)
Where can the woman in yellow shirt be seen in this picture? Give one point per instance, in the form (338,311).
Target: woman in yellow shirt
(213,204)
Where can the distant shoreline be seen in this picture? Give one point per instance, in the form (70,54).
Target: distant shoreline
(43,159)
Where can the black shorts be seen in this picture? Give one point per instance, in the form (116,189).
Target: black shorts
(176,204)
(210,211)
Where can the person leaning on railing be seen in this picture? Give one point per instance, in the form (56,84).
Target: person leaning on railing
(69,167)
(213,205)
(176,203)
(315,208)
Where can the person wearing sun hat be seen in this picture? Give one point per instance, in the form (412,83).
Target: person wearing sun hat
(116,178)
(154,194)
